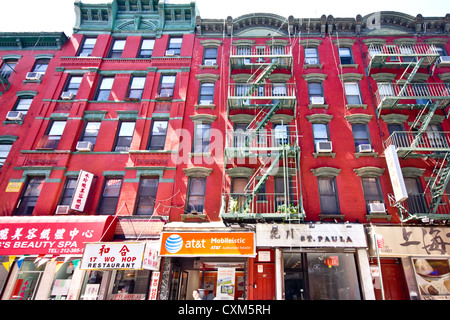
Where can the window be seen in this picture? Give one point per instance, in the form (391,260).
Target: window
(30,196)
(409,50)
(320,133)
(311,56)
(315,90)
(125,135)
(279,188)
(53,136)
(196,195)
(146,49)
(7,68)
(240,136)
(210,56)
(345,56)
(5,148)
(372,191)
(130,282)
(241,90)
(167,85)
(23,104)
(238,190)
(360,134)
(41,66)
(90,132)
(281,135)
(145,202)
(202,137)
(385,90)
(435,136)
(441,51)
(244,51)
(104,89)
(87,47)
(328,195)
(69,190)
(174,47)
(352,93)
(278,90)
(398,137)
(110,196)
(28,280)
(117,49)
(73,84)
(206,94)
(416,201)
(158,135)
(136,88)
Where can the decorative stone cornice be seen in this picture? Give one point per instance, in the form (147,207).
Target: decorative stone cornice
(197,172)
(319,118)
(369,172)
(326,172)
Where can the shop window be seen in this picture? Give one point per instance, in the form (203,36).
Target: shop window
(30,196)
(87,47)
(136,88)
(130,282)
(210,56)
(110,196)
(90,132)
(329,203)
(104,89)
(91,285)
(146,49)
(117,49)
(202,137)
(345,56)
(146,197)
(62,280)
(196,195)
(158,134)
(23,104)
(28,280)
(124,136)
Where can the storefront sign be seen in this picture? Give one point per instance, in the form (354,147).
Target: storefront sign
(13,187)
(113,256)
(51,234)
(154,286)
(411,241)
(82,191)
(315,235)
(151,259)
(207,244)
(126,296)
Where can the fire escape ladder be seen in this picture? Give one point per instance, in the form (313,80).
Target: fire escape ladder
(439,185)
(261,120)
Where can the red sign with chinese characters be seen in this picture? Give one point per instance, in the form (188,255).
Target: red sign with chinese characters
(52,235)
(82,191)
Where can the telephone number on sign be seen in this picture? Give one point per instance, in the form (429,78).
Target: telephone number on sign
(68,250)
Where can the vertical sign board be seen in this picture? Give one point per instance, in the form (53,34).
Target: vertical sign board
(395,172)
(82,191)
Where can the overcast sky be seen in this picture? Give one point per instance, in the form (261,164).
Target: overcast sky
(59,15)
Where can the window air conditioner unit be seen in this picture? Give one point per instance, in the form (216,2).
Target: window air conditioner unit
(170,52)
(364,148)
(84,55)
(324,146)
(33,76)
(14,115)
(62,209)
(210,63)
(444,61)
(84,146)
(67,95)
(377,208)
(317,100)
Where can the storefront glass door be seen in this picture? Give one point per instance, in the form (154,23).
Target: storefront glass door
(295,283)
(27,281)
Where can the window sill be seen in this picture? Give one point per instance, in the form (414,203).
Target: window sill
(18,122)
(378,216)
(205,106)
(200,154)
(193,216)
(202,66)
(366,154)
(307,66)
(318,106)
(331,216)
(324,154)
(350,65)
(355,106)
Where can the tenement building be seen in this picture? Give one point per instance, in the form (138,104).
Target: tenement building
(155,151)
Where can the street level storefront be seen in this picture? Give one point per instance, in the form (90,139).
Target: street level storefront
(316,261)
(211,261)
(40,254)
(413,262)
(120,270)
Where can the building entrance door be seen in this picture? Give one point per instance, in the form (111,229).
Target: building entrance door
(265,281)
(295,277)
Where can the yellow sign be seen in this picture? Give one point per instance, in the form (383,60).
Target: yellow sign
(14,187)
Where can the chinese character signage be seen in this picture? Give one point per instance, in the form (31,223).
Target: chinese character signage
(81,191)
(433,278)
(52,235)
(113,256)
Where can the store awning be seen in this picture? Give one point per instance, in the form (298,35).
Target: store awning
(53,235)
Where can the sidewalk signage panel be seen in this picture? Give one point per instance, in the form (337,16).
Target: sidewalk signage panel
(225,244)
(113,256)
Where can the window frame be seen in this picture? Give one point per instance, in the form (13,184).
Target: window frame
(313,92)
(347,59)
(376,198)
(143,50)
(68,191)
(349,96)
(41,65)
(19,105)
(167,86)
(135,90)
(175,44)
(118,143)
(161,144)
(22,208)
(84,137)
(141,198)
(331,196)
(207,97)
(366,131)
(201,195)
(100,94)
(201,143)
(5,152)
(309,58)
(103,198)
(317,138)
(116,52)
(73,86)
(87,48)
(208,56)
